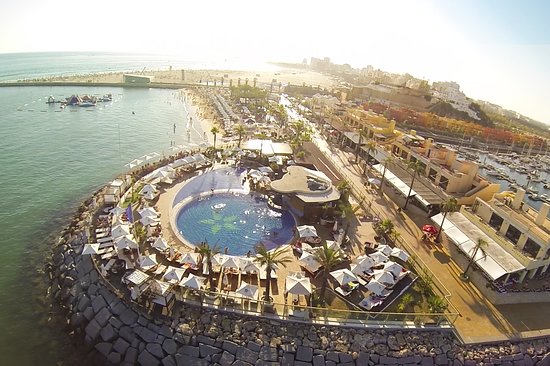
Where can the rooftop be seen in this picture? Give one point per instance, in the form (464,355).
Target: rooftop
(308,185)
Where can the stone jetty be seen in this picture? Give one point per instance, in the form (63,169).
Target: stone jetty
(115,331)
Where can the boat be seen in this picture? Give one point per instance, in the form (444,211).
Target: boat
(218,206)
(86,104)
(106,98)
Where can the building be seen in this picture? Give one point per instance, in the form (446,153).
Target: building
(522,231)
(454,177)
(305,191)
(137,79)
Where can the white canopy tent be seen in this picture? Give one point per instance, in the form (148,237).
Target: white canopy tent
(149,221)
(192,281)
(174,274)
(298,284)
(190,258)
(400,253)
(148,211)
(148,261)
(375,287)
(306,231)
(90,249)
(126,242)
(343,276)
(161,244)
(494,260)
(384,277)
(248,290)
(378,257)
(120,230)
(308,261)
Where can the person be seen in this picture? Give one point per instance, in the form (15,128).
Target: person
(249,254)
(226,250)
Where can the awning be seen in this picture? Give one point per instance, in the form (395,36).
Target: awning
(494,260)
(399,184)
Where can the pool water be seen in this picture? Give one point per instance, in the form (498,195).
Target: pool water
(235,222)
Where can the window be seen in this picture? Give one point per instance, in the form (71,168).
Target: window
(496,222)
(531,248)
(513,234)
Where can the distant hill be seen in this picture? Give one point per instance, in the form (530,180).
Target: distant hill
(512,117)
(445,109)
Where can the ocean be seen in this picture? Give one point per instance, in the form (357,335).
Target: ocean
(51,159)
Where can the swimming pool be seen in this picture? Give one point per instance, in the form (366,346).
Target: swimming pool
(234,221)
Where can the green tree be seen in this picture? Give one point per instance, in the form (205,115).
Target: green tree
(437,304)
(328,258)
(215,130)
(362,134)
(140,233)
(371,148)
(405,301)
(480,245)
(388,161)
(450,205)
(239,130)
(416,166)
(344,187)
(384,227)
(270,259)
(206,253)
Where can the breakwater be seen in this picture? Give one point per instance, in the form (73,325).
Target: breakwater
(113,330)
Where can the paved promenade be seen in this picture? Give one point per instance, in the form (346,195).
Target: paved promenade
(480,321)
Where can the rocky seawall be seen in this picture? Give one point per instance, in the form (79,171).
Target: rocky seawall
(114,331)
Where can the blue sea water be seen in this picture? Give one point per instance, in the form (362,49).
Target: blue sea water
(50,160)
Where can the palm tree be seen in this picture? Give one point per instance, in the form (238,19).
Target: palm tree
(385,227)
(240,130)
(387,161)
(215,130)
(328,258)
(206,253)
(344,187)
(416,167)
(362,133)
(451,205)
(270,259)
(371,148)
(480,245)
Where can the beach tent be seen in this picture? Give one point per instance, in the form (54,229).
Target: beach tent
(343,276)
(174,274)
(148,211)
(148,188)
(120,230)
(298,284)
(192,281)
(308,261)
(378,257)
(248,290)
(384,249)
(149,221)
(161,244)
(147,262)
(118,211)
(125,242)
(393,267)
(384,277)
(400,253)
(306,231)
(190,258)
(231,262)
(248,265)
(364,261)
(90,249)
(375,287)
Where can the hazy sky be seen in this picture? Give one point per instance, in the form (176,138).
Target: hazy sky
(497,50)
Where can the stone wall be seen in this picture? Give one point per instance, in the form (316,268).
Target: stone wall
(113,331)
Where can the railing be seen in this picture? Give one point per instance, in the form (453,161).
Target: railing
(419,266)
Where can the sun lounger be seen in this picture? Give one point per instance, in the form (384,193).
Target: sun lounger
(103,240)
(370,302)
(160,269)
(343,292)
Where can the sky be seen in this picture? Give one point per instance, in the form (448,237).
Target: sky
(497,50)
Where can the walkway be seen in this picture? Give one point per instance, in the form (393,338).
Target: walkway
(480,321)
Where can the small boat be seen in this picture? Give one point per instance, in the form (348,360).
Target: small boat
(86,104)
(218,206)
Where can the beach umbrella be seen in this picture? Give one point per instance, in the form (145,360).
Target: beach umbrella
(248,265)
(298,284)
(308,261)
(375,287)
(343,276)
(118,211)
(306,231)
(190,258)
(378,257)
(174,274)
(126,242)
(400,253)
(148,211)
(248,290)
(192,281)
(384,277)
(393,268)
(430,229)
(384,249)
(148,261)
(90,249)
(364,261)
(161,244)
(120,230)
(231,262)
(265,170)
(149,196)
(149,221)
